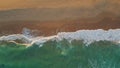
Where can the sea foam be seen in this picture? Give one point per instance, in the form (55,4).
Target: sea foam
(88,37)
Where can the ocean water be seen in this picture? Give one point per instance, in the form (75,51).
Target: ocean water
(52,54)
(93,51)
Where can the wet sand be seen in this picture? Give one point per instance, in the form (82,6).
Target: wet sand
(53,27)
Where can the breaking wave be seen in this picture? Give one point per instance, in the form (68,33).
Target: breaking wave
(64,50)
(87,36)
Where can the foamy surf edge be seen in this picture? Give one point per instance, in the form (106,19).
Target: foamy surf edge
(88,37)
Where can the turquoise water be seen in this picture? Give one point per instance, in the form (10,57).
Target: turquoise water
(52,54)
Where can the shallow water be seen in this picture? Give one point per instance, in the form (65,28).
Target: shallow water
(62,54)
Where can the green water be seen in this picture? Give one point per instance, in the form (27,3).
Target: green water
(62,54)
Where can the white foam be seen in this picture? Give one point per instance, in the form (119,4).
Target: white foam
(88,36)
(15,37)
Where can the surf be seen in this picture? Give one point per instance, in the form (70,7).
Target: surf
(81,49)
(87,36)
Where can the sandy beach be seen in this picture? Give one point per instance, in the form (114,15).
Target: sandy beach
(53,27)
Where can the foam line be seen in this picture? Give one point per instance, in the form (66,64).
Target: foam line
(88,36)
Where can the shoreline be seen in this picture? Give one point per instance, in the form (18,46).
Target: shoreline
(49,28)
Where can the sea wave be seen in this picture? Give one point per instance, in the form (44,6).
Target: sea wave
(87,36)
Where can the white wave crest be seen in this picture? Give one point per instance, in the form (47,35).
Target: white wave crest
(15,37)
(88,36)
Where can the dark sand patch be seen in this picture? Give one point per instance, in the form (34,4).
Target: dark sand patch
(53,27)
